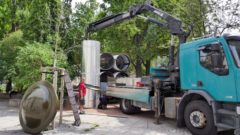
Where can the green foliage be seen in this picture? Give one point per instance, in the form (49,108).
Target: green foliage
(2,88)
(74,33)
(30,59)
(21,61)
(141,40)
(5,14)
(193,13)
(9,48)
(36,26)
(43,24)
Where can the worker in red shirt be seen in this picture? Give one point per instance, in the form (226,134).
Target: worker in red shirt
(82,93)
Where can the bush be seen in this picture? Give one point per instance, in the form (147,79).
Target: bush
(9,48)
(29,61)
(2,88)
(21,61)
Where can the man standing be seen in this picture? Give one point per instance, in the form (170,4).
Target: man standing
(103,87)
(81,93)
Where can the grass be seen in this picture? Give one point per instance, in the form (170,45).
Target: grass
(92,127)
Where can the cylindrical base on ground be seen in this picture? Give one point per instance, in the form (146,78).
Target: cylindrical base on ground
(91,69)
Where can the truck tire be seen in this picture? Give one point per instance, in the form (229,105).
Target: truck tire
(199,119)
(127,107)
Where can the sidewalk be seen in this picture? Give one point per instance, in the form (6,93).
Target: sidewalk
(94,122)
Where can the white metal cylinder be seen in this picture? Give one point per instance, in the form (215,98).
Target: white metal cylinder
(121,62)
(91,69)
(106,61)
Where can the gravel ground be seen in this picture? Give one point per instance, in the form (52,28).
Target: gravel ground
(95,122)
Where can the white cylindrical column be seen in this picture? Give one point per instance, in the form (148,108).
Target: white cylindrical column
(91,69)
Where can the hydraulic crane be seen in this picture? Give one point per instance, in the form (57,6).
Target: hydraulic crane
(205,76)
(169,22)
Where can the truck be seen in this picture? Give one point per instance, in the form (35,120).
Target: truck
(203,78)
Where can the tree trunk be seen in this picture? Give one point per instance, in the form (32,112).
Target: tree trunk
(9,85)
(14,8)
(203,12)
(138,67)
(147,67)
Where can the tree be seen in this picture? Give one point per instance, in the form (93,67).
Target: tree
(5,17)
(37,26)
(222,15)
(30,59)
(141,40)
(9,48)
(21,60)
(13,14)
(128,33)
(74,33)
(193,13)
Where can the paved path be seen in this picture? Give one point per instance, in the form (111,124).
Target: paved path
(95,122)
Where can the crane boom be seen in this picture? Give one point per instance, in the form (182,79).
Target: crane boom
(173,24)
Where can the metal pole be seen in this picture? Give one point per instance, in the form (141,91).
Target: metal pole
(171,51)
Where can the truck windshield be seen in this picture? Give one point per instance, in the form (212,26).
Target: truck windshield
(234,46)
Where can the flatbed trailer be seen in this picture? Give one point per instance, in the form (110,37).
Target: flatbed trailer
(130,93)
(132,99)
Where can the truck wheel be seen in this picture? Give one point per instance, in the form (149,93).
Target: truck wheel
(198,118)
(127,107)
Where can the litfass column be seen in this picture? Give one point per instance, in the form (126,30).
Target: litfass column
(91,69)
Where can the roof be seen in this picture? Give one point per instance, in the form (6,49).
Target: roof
(231,37)
(193,43)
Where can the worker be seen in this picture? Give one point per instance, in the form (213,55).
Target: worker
(103,87)
(81,93)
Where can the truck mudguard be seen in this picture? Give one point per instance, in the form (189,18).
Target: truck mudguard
(187,97)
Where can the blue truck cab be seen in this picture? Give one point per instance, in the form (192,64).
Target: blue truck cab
(210,73)
(198,72)
(206,82)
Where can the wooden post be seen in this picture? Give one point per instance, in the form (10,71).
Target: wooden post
(43,74)
(61,96)
(55,78)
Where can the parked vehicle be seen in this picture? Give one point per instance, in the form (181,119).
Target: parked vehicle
(201,86)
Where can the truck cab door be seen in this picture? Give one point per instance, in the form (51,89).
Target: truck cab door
(214,75)
(234,47)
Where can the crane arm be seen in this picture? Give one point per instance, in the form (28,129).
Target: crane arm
(169,22)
